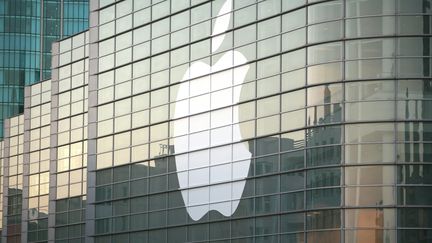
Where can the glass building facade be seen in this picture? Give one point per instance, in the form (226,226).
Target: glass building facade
(13,160)
(229,121)
(27,30)
(69,139)
(45,153)
(261,121)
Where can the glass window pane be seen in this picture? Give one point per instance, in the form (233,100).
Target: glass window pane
(324,73)
(371,132)
(292,222)
(324,236)
(326,11)
(355,8)
(370,48)
(329,155)
(293,20)
(372,26)
(292,201)
(353,236)
(323,177)
(323,198)
(370,90)
(292,160)
(370,69)
(370,111)
(369,196)
(415,196)
(369,153)
(292,181)
(325,32)
(415,174)
(370,175)
(326,219)
(415,217)
(325,53)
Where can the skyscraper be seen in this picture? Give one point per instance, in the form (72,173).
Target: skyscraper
(229,121)
(27,30)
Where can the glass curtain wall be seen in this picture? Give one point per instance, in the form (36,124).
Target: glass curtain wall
(36,162)
(13,160)
(69,118)
(261,121)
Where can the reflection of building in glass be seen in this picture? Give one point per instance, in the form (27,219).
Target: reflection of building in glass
(13,179)
(304,122)
(53,168)
(68,173)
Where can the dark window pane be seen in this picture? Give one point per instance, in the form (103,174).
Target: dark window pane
(138,204)
(415,174)
(292,222)
(323,198)
(324,156)
(326,219)
(292,201)
(266,225)
(139,221)
(157,219)
(158,184)
(323,136)
(121,173)
(103,226)
(121,207)
(121,190)
(139,170)
(292,160)
(177,235)
(292,181)
(242,227)
(414,131)
(323,177)
(266,185)
(177,216)
(157,236)
(103,193)
(415,152)
(158,201)
(415,217)
(415,195)
(267,204)
(415,236)
(267,145)
(266,165)
(121,224)
(293,238)
(198,232)
(245,208)
(103,210)
(103,177)
(139,187)
(137,237)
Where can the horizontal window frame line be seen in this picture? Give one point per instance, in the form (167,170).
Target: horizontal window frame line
(307,45)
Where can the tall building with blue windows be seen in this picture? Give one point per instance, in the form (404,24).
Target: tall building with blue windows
(27,30)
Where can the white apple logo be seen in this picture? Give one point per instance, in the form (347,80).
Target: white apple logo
(220,186)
